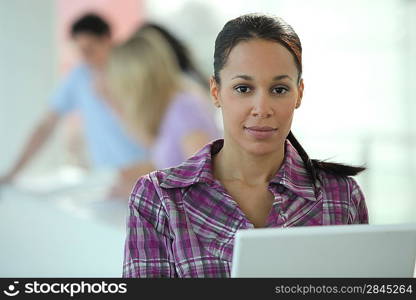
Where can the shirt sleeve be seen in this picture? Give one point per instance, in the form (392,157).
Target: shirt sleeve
(148,247)
(190,115)
(63,98)
(358,207)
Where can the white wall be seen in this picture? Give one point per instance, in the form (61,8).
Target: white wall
(28,73)
(358,106)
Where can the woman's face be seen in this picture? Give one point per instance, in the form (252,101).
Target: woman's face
(258,95)
(93,49)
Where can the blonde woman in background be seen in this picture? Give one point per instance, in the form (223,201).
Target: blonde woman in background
(193,78)
(154,97)
(108,145)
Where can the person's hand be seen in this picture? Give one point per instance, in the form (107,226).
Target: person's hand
(119,192)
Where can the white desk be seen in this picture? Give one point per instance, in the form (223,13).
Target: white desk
(54,236)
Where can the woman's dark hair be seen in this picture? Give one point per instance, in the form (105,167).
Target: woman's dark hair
(91,24)
(258,26)
(255,26)
(182,53)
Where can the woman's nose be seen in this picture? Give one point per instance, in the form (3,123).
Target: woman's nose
(262,106)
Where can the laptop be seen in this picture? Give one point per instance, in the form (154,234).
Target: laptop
(357,250)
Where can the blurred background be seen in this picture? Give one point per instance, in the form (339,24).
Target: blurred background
(359,61)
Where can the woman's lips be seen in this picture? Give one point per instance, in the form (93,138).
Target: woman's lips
(260,132)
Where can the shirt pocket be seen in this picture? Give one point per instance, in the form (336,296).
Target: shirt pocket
(215,238)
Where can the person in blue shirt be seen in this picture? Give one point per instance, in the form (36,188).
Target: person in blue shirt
(109,144)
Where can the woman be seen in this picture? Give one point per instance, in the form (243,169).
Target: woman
(183,220)
(148,91)
(192,78)
(183,55)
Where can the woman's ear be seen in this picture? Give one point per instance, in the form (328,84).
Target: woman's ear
(300,94)
(214,91)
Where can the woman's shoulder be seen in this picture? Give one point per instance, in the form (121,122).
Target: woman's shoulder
(160,192)
(344,191)
(150,182)
(339,186)
(188,172)
(147,196)
(159,181)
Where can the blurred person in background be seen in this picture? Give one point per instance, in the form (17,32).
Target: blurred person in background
(192,77)
(158,100)
(109,145)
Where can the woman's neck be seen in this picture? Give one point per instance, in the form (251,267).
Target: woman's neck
(235,164)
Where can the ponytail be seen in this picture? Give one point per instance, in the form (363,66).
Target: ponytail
(313,165)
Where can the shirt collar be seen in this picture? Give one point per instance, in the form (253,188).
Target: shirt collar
(294,176)
(198,168)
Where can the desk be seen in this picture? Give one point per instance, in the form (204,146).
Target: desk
(40,236)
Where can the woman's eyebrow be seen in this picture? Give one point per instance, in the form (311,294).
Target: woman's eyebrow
(249,78)
(280,77)
(242,76)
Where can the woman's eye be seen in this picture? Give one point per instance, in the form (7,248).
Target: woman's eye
(279,90)
(242,89)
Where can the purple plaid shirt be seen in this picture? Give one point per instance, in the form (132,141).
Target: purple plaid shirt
(182,222)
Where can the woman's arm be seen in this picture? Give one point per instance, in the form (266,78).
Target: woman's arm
(148,247)
(36,140)
(358,207)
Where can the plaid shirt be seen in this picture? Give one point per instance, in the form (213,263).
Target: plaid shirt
(182,222)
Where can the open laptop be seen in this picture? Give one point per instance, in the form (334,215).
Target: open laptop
(358,250)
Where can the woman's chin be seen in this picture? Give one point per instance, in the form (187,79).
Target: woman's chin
(261,148)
